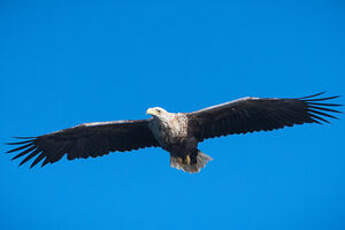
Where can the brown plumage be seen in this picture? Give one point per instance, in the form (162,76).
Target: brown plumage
(177,133)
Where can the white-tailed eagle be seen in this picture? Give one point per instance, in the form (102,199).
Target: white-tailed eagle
(177,133)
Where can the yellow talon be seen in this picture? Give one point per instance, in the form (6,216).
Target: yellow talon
(188,159)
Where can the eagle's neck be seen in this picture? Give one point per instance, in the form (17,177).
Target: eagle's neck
(163,122)
(169,128)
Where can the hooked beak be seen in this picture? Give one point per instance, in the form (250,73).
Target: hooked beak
(150,111)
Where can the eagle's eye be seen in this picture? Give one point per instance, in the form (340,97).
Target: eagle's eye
(158,110)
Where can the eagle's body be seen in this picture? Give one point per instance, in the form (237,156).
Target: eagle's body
(172,133)
(177,133)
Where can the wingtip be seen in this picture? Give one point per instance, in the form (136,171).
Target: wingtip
(313,95)
(46,161)
(23,137)
(22,162)
(18,143)
(321,99)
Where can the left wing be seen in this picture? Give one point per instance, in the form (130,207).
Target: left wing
(251,114)
(85,140)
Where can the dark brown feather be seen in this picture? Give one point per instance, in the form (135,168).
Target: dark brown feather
(256,114)
(86,140)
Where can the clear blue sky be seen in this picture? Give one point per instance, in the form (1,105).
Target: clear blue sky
(68,62)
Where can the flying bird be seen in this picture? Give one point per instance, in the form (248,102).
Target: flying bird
(177,133)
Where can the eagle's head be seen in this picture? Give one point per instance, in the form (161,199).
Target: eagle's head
(156,111)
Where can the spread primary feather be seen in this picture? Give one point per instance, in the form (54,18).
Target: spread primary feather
(177,133)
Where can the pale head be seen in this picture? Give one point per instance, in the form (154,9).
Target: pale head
(156,111)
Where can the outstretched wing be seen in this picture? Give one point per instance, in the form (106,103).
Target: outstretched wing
(251,114)
(85,140)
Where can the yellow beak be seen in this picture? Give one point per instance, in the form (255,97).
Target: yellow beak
(150,111)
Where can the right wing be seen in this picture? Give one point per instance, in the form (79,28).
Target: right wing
(85,140)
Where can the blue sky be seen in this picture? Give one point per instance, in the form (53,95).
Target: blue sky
(68,62)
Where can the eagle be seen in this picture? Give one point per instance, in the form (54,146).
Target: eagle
(177,133)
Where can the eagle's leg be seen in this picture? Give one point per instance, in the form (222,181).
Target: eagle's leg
(191,162)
